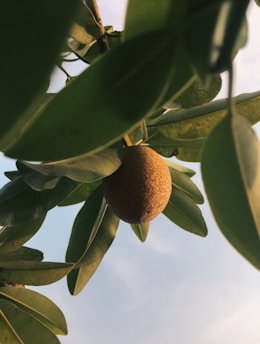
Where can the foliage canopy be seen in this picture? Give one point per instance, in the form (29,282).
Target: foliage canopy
(154,83)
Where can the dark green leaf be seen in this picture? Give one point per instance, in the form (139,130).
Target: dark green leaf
(37,306)
(36,180)
(184,212)
(103,103)
(93,232)
(231,174)
(12,237)
(24,326)
(22,253)
(141,230)
(33,273)
(19,203)
(29,30)
(85,169)
(81,193)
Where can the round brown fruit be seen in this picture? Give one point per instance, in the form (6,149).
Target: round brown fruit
(141,187)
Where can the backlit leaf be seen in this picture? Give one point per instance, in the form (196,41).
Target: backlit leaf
(141,230)
(22,253)
(231,175)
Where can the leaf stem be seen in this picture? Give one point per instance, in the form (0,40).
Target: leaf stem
(102,40)
(231,105)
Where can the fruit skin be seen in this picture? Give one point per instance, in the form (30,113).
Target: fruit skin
(141,187)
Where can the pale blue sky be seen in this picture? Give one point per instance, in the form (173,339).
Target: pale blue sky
(176,287)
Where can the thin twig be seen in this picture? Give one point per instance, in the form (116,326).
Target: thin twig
(102,40)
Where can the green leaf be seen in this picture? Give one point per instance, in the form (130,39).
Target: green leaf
(183,149)
(85,169)
(29,30)
(34,179)
(22,253)
(80,194)
(37,306)
(184,212)
(198,93)
(34,273)
(20,204)
(12,237)
(23,326)
(92,234)
(183,169)
(199,121)
(102,104)
(231,175)
(141,230)
(185,184)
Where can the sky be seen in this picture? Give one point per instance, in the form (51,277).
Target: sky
(174,288)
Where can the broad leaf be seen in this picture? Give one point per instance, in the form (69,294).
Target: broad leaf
(103,103)
(93,232)
(29,30)
(231,175)
(37,306)
(184,212)
(22,253)
(12,237)
(34,273)
(141,230)
(20,204)
(24,327)
(85,169)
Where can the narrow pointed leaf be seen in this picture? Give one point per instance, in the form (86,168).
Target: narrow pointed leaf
(19,203)
(141,230)
(183,169)
(83,169)
(184,183)
(34,273)
(184,212)
(28,329)
(197,122)
(231,175)
(93,232)
(22,253)
(81,193)
(12,237)
(37,306)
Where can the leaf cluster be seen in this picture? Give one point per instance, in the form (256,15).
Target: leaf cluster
(154,83)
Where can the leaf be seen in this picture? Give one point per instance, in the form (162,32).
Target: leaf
(185,184)
(20,204)
(199,121)
(231,175)
(78,120)
(184,212)
(22,253)
(27,36)
(141,230)
(183,169)
(21,325)
(34,273)
(92,234)
(37,306)
(198,93)
(80,194)
(36,180)
(12,237)
(183,149)
(85,169)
